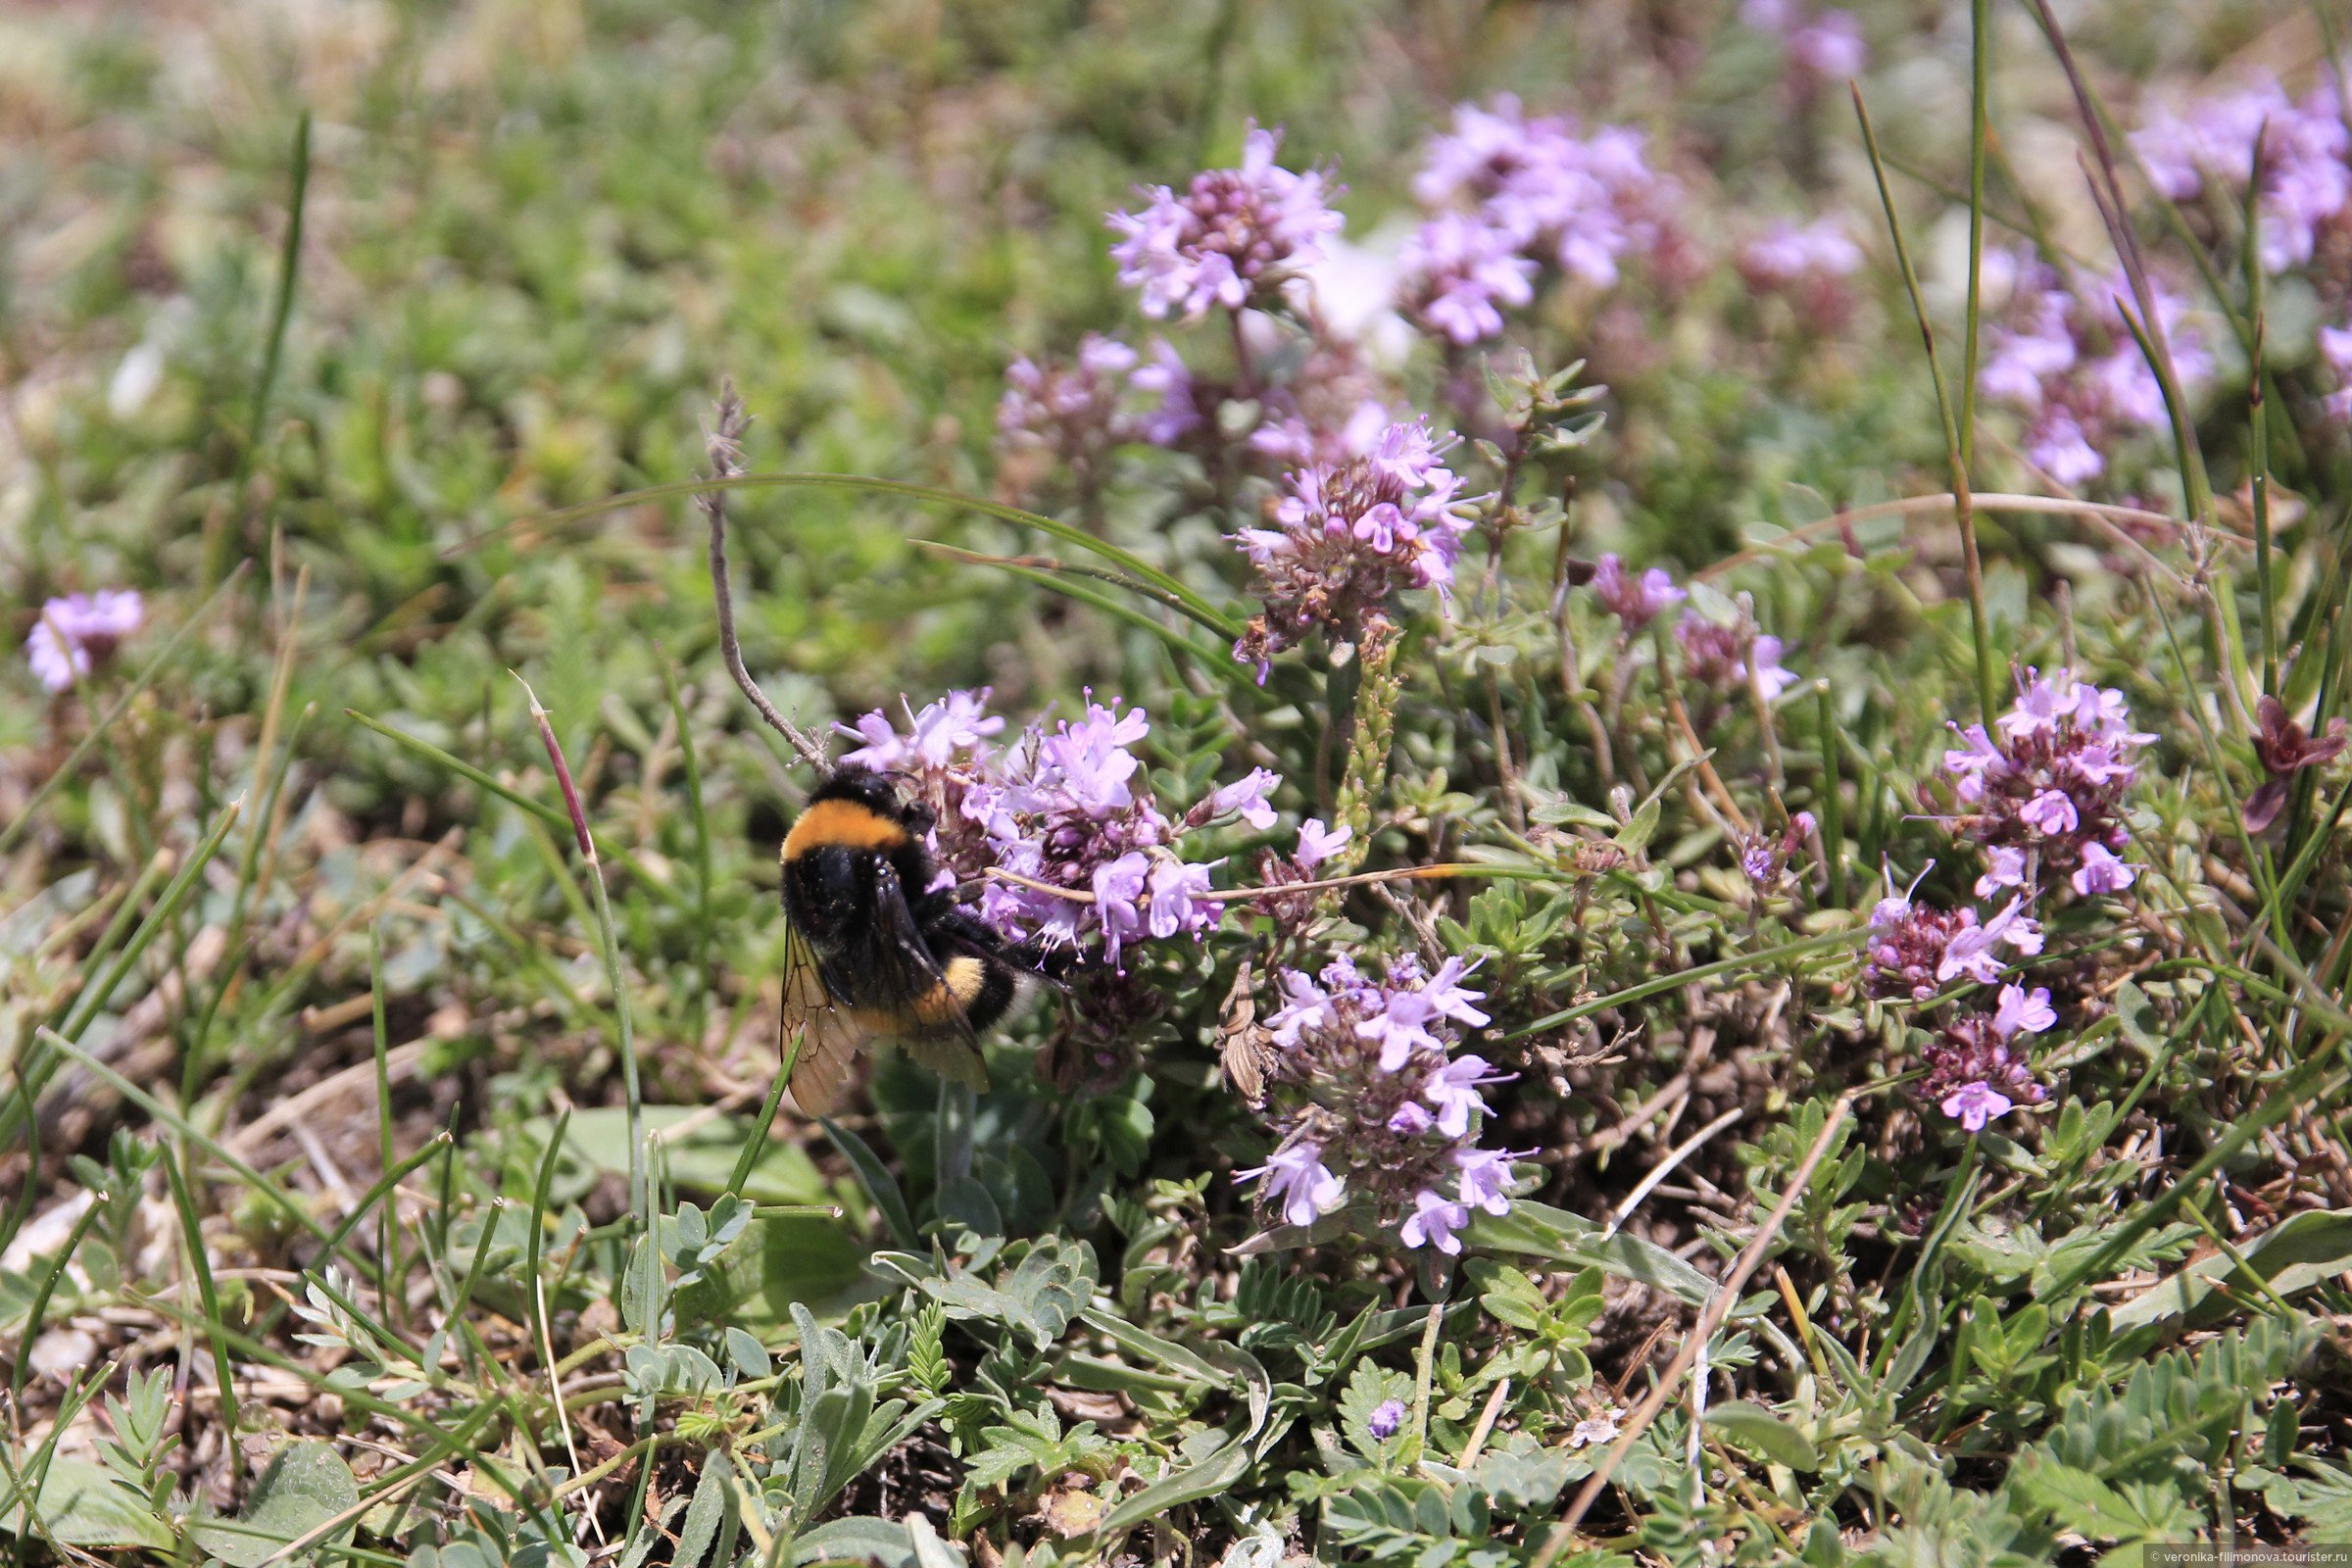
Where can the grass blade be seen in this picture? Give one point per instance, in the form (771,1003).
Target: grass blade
(1077,538)
(1963,507)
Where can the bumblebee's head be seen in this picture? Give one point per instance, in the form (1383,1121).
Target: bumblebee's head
(868,788)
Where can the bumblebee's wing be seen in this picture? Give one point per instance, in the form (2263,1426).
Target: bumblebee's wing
(830,1034)
(931,1024)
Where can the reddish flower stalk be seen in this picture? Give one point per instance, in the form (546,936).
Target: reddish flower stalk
(571,791)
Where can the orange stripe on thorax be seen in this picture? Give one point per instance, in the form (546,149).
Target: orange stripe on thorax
(841,822)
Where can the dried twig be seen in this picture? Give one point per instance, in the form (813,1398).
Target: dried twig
(1710,1318)
(725,448)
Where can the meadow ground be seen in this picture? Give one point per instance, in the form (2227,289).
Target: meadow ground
(1679,730)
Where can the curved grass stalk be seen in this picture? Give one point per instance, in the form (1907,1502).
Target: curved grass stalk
(680,489)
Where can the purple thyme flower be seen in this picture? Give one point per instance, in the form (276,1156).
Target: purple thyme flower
(2102,871)
(1459,273)
(1175,411)
(1433,1222)
(1176,898)
(1824,47)
(1970,951)
(1486,1177)
(1070,413)
(1453,1092)
(2335,347)
(1764,857)
(2306,176)
(2050,789)
(1636,602)
(1229,239)
(1808,267)
(1118,884)
(1727,659)
(1830,48)
(2004,867)
(1364,1073)
(1583,202)
(2064,356)
(1386,1418)
(2051,813)
(1317,843)
(79,630)
(1411,1120)
(1975,1104)
(2022,1012)
(1246,798)
(956,723)
(1353,534)
(1297,1183)
(1977,1068)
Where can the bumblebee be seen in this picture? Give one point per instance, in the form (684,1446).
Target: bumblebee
(875,952)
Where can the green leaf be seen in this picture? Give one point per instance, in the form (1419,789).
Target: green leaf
(1541,1230)
(1039,1298)
(1762,1432)
(83,1504)
(713,1498)
(702,1161)
(306,1484)
(1368,1389)
(1166,1354)
(2298,1252)
(746,1352)
(857,1540)
(879,1184)
(2081,1502)
(1207,1475)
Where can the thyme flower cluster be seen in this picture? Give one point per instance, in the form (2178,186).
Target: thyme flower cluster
(1977,1071)
(1348,535)
(2297,155)
(1916,950)
(1539,189)
(1073,413)
(1383,1112)
(2046,798)
(1808,267)
(2304,204)
(2043,797)
(1231,239)
(2064,356)
(1069,807)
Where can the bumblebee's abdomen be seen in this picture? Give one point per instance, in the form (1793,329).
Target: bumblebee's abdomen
(977,988)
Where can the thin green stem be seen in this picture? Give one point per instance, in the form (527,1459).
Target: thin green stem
(1963,501)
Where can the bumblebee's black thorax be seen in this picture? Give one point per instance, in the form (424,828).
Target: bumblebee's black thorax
(857,889)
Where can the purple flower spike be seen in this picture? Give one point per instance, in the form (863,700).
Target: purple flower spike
(1460,273)
(1386,1418)
(1230,240)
